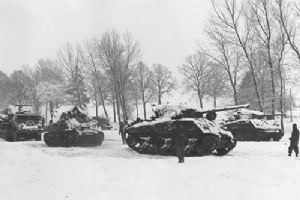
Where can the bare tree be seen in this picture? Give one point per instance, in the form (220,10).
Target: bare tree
(196,72)
(163,81)
(288,21)
(19,87)
(92,62)
(118,55)
(217,82)
(226,53)
(143,80)
(68,59)
(263,20)
(229,14)
(280,51)
(4,89)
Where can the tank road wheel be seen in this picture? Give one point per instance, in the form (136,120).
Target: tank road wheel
(132,142)
(166,147)
(11,136)
(37,137)
(229,146)
(50,139)
(207,145)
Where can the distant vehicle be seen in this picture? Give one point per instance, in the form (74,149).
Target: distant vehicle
(250,125)
(157,136)
(21,126)
(73,128)
(103,123)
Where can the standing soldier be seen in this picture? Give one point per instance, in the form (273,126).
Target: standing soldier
(179,146)
(122,126)
(294,141)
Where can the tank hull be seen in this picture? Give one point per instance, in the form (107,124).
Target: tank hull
(254,130)
(158,138)
(70,138)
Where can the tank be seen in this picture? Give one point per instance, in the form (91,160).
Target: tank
(203,135)
(254,130)
(103,123)
(73,128)
(21,125)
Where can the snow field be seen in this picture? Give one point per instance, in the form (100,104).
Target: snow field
(253,170)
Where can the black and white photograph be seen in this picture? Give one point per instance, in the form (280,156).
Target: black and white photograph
(149,99)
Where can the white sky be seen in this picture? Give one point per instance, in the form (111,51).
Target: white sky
(167,30)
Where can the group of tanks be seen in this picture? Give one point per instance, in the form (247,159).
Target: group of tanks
(73,128)
(204,136)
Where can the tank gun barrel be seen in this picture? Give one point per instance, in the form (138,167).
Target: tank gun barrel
(225,108)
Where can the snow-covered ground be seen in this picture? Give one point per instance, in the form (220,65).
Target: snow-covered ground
(253,170)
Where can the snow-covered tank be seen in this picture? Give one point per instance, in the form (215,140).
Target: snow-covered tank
(252,125)
(254,130)
(20,125)
(73,128)
(203,135)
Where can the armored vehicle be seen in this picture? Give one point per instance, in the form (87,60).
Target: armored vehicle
(73,128)
(251,125)
(21,125)
(103,123)
(254,130)
(203,135)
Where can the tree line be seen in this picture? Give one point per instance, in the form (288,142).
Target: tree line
(250,54)
(105,71)
(255,45)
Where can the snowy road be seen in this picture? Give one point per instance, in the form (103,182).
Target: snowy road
(253,170)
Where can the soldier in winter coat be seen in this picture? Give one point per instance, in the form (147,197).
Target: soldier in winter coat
(179,146)
(122,126)
(294,141)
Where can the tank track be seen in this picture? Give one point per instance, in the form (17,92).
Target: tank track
(156,145)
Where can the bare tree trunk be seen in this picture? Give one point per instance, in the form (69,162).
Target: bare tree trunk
(114,106)
(199,98)
(101,96)
(145,113)
(137,108)
(46,116)
(291,112)
(201,103)
(78,93)
(159,96)
(281,102)
(118,106)
(51,107)
(144,104)
(96,101)
(215,101)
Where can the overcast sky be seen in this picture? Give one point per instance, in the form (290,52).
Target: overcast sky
(167,30)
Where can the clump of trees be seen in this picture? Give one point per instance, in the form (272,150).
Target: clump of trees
(251,48)
(252,42)
(103,71)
